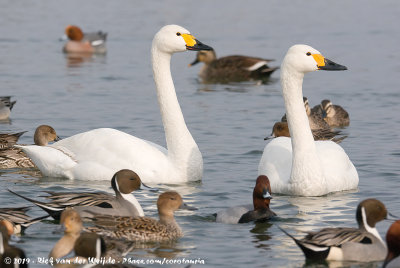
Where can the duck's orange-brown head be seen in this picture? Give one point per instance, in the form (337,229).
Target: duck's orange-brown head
(74,33)
(262,193)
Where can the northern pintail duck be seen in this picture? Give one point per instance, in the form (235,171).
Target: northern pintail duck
(281,129)
(144,229)
(18,218)
(393,243)
(232,68)
(315,119)
(362,244)
(336,116)
(10,252)
(13,157)
(258,211)
(6,106)
(305,167)
(85,245)
(80,42)
(79,157)
(8,140)
(124,182)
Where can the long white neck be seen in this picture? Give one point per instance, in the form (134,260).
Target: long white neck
(130,198)
(306,166)
(180,143)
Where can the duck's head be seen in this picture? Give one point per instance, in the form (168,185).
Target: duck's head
(71,221)
(8,225)
(45,134)
(369,212)
(304,59)
(262,193)
(125,181)
(90,245)
(174,38)
(169,202)
(74,33)
(206,56)
(393,242)
(280,129)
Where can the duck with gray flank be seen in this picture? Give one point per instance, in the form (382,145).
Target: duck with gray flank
(80,42)
(281,129)
(124,182)
(393,244)
(232,68)
(144,229)
(362,244)
(6,106)
(9,252)
(336,116)
(12,157)
(18,219)
(258,211)
(315,119)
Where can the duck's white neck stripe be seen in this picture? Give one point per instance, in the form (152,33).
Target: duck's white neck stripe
(1,244)
(98,248)
(370,229)
(130,198)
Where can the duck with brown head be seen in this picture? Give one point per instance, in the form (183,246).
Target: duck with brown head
(80,42)
(258,211)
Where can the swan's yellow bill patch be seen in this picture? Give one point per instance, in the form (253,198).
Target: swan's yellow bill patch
(189,39)
(319,59)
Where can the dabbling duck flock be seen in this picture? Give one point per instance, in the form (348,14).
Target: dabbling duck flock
(199,134)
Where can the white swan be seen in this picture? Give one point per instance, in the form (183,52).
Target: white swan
(99,153)
(300,165)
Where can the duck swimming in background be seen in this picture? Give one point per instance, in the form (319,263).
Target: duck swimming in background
(281,129)
(393,244)
(6,106)
(336,116)
(143,229)
(299,165)
(258,211)
(13,157)
(362,244)
(232,68)
(124,182)
(80,42)
(97,154)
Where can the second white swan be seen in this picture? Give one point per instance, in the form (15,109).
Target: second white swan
(299,165)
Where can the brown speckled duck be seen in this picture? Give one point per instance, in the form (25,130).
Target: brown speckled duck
(314,118)
(232,68)
(281,129)
(336,116)
(144,229)
(11,157)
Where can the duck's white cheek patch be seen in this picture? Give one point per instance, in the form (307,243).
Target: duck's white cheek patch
(319,59)
(189,39)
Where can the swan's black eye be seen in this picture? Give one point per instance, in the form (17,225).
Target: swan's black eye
(308,54)
(178,34)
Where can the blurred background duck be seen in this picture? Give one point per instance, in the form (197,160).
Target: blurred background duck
(336,116)
(80,42)
(281,129)
(16,219)
(6,106)
(232,68)
(12,157)
(9,252)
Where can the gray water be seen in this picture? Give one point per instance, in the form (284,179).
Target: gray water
(228,122)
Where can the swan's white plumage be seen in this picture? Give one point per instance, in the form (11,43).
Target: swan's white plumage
(99,153)
(299,165)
